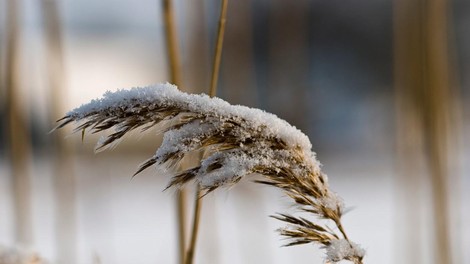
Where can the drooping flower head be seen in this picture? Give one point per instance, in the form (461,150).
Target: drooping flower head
(234,141)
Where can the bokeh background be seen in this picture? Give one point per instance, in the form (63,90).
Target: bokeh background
(380,87)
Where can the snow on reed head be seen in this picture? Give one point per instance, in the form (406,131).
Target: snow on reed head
(342,249)
(130,109)
(235,141)
(168,95)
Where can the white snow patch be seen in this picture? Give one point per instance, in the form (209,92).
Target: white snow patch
(342,249)
(168,94)
(187,138)
(332,201)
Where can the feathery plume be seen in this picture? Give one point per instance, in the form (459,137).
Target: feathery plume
(236,141)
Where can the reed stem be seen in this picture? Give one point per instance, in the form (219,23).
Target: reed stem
(218,49)
(181,214)
(19,141)
(171,42)
(212,93)
(64,178)
(195,228)
(175,78)
(423,73)
(341,229)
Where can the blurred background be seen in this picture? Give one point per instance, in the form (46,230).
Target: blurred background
(380,87)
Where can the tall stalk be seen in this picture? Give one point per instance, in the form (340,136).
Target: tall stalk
(212,93)
(171,42)
(218,49)
(19,147)
(423,81)
(64,178)
(175,78)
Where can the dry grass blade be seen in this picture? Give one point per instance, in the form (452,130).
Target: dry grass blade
(237,141)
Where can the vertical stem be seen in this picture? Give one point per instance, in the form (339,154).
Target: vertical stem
(171,42)
(175,78)
(64,178)
(212,93)
(218,49)
(437,108)
(195,227)
(181,211)
(19,147)
(407,43)
(423,79)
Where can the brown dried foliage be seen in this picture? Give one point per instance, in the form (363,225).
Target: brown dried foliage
(309,190)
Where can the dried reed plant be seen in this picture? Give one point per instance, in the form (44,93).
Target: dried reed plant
(63,175)
(174,70)
(427,104)
(236,141)
(19,147)
(212,92)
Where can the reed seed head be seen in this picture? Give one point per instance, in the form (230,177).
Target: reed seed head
(237,141)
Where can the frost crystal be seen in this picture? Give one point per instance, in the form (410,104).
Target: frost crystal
(332,201)
(342,249)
